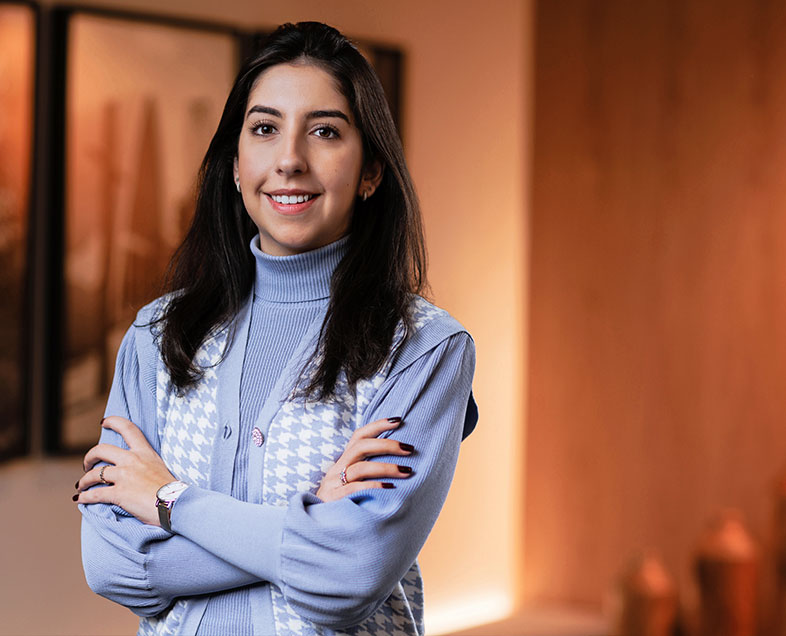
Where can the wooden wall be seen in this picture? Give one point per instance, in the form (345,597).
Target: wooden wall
(657,372)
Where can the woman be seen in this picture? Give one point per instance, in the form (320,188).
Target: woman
(284,424)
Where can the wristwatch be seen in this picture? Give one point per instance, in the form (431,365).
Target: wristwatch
(165,498)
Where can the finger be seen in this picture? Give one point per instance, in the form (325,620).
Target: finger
(376,428)
(377,470)
(365,448)
(356,486)
(103,453)
(93,477)
(96,495)
(129,431)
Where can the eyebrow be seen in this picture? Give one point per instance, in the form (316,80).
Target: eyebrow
(314,114)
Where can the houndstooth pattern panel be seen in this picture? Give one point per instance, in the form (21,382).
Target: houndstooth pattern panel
(187,427)
(189,421)
(304,440)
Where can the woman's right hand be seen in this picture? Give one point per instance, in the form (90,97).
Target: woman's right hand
(351,472)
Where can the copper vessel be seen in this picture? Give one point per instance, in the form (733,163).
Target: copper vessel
(726,570)
(649,599)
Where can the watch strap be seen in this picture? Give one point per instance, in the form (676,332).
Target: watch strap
(165,514)
(165,505)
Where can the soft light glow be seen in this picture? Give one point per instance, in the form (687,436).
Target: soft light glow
(467,612)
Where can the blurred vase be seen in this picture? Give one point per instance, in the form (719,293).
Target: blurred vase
(726,569)
(649,599)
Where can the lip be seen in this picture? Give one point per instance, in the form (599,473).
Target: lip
(289,191)
(291,208)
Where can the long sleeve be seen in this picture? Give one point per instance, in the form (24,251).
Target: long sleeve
(336,562)
(140,566)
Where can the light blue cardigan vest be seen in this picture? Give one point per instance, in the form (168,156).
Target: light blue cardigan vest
(304,438)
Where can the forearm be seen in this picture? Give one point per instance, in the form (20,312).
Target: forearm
(373,537)
(145,568)
(141,566)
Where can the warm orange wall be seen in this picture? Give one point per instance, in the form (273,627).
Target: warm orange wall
(658,280)
(464,112)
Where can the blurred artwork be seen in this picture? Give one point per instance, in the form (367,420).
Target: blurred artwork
(387,63)
(142,102)
(17,69)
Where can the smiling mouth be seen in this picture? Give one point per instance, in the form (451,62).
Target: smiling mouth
(292,204)
(291,199)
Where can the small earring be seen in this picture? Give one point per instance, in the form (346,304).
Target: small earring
(237,185)
(366,195)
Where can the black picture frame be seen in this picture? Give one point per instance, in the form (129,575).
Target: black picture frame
(116,220)
(19,34)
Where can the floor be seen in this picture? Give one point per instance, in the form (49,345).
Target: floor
(553,621)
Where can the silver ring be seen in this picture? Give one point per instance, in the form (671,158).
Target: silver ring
(101,475)
(343,476)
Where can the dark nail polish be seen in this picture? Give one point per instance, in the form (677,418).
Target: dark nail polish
(76,485)
(394,420)
(75,497)
(404,469)
(387,484)
(406,447)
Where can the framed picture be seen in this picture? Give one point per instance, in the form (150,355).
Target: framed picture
(17,88)
(142,98)
(388,63)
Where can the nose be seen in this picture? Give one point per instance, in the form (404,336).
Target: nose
(291,158)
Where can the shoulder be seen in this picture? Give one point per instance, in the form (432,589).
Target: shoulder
(431,327)
(150,313)
(427,316)
(146,328)
(438,345)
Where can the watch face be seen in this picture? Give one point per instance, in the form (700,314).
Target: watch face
(171,490)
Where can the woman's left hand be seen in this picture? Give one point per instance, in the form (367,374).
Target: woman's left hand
(134,475)
(352,472)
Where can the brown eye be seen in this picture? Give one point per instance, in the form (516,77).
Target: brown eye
(326,132)
(263,129)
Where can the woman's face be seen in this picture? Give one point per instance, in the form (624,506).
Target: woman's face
(299,159)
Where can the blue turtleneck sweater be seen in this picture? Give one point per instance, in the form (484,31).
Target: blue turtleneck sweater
(289,293)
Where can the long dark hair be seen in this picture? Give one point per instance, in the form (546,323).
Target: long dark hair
(211,273)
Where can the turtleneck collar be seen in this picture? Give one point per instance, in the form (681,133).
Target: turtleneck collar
(296,278)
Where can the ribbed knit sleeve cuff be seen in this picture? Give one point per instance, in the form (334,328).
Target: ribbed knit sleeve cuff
(114,566)
(220,524)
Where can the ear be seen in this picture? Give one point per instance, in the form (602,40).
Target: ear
(235,174)
(370,178)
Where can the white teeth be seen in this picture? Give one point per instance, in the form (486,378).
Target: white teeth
(291,199)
